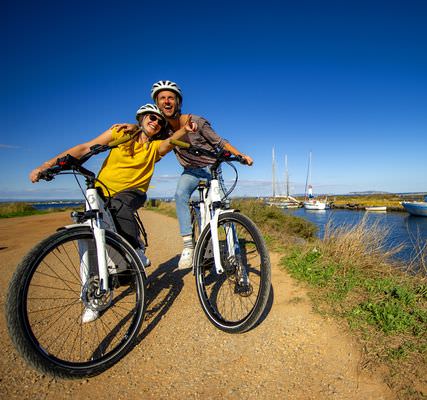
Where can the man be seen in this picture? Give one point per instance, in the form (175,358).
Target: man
(168,97)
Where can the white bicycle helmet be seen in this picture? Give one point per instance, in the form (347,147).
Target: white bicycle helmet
(165,85)
(149,109)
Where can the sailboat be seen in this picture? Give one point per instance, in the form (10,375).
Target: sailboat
(290,201)
(277,200)
(310,203)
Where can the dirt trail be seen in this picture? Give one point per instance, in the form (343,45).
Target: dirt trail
(293,354)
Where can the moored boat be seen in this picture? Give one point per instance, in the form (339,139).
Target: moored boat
(314,205)
(291,205)
(310,203)
(376,208)
(418,208)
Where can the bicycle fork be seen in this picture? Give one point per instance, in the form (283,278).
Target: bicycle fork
(216,199)
(86,249)
(215,242)
(233,251)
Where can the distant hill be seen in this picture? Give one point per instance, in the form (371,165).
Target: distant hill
(366,192)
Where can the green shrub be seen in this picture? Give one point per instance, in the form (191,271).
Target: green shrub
(9,210)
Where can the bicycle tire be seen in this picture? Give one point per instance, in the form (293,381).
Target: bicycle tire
(44,307)
(229,305)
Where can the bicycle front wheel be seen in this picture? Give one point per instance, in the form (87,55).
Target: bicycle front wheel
(234,300)
(48,296)
(195,223)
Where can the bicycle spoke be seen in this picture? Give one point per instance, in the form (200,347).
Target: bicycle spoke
(47,311)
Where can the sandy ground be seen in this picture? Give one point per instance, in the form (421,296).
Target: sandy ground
(293,354)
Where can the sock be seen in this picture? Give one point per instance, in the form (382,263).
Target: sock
(188,242)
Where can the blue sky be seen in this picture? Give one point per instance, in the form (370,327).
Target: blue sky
(346,80)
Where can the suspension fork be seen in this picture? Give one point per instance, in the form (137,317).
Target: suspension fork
(99,234)
(216,209)
(235,253)
(88,261)
(94,204)
(215,242)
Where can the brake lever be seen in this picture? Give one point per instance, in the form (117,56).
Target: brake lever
(241,160)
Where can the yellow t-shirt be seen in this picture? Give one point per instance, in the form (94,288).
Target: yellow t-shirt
(121,170)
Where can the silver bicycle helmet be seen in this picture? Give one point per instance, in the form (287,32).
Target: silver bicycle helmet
(149,109)
(165,85)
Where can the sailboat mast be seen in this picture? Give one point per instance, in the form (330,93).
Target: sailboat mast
(308,179)
(286,176)
(274,174)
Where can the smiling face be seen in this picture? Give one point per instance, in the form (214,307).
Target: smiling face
(167,102)
(152,124)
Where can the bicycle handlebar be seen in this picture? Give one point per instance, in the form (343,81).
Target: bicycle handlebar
(70,163)
(220,155)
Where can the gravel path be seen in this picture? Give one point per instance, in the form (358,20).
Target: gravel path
(293,354)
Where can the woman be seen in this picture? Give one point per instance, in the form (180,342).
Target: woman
(127,171)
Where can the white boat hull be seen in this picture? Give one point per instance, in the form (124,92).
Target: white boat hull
(376,208)
(314,205)
(418,208)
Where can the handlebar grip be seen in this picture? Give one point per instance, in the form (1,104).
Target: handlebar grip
(179,143)
(49,173)
(123,139)
(115,143)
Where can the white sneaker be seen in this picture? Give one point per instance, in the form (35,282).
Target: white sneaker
(186,260)
(89,315)
(144,259)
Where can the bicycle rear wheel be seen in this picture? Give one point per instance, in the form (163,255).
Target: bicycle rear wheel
(234,300)
(47,296)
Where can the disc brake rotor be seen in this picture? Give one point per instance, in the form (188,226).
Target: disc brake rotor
(92,297)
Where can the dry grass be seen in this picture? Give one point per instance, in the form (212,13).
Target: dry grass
(361,244)
(418,263)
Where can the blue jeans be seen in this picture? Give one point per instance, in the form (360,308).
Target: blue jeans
(187,184)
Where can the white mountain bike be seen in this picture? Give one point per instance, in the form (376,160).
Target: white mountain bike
(231,263)
(83,266)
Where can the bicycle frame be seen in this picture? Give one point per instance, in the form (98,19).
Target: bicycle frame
(210,204)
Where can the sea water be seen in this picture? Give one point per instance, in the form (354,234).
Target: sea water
(403,228)
(44,205)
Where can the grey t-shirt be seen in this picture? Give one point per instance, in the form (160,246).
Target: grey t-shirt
(205,137)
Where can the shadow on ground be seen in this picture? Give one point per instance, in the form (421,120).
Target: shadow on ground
(163,287)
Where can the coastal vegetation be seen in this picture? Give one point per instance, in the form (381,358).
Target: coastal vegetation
(21,209)
(390,200)
(352,278)
(17,209)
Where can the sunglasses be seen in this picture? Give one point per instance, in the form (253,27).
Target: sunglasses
(160,121)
